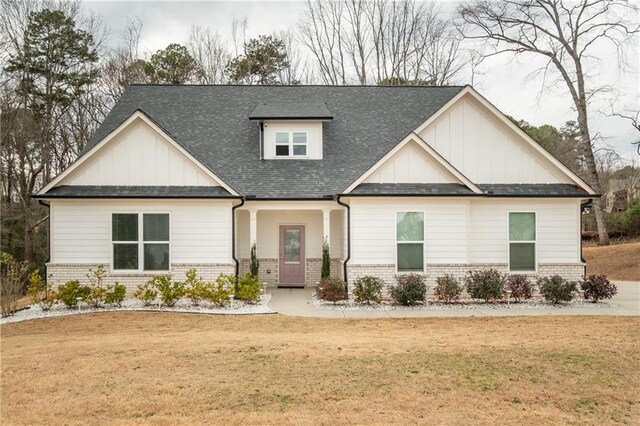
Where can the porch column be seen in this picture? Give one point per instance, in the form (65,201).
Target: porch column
(326,225)
(253,227)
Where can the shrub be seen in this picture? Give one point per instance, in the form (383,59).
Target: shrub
(69,292)
(255,263)
(115,294)
(326,261)
(331,290)
(248,288)
(598,287)
(195,287)
(170,291)
(447,289)
(487,284)
(41,294)
(631,218)
(520,287)
(219,292)
(368,289)
(11,278)
(411,288)
(556,289)
(96,293)
(146,292)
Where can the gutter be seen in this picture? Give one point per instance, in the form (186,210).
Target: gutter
(233,236)
(346,260)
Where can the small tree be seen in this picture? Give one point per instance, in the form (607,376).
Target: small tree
(13,272)
(255,263)
(326,261)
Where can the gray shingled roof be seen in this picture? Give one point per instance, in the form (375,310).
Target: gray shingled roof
(454,189)
(213,124)
(291,110)
(97,191)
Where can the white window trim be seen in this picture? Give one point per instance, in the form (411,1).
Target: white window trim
(535,243)
(424,237)
(291,144)
(140,244)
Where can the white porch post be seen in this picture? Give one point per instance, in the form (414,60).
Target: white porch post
(326,225)
(253,227)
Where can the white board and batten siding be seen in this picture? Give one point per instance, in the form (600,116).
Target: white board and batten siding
(139,155)
(200,229)
(464,231)
(484,149)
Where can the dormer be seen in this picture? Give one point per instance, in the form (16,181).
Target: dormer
(291,130)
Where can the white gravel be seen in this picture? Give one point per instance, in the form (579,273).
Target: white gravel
(183,305)
(350,305)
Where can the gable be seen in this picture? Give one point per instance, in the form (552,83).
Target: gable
(411,164)
(479,144)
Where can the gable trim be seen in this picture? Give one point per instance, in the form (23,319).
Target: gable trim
(413,136)
(138,114)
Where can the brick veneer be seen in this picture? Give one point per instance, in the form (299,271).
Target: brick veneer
(313,270)
(59,273)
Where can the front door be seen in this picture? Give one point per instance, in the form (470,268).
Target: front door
(292,260)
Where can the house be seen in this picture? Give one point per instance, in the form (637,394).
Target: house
(395,179)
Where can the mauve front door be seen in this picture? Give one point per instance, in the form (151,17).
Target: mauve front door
(292,260)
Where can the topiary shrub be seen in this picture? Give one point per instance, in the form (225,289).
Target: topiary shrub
(248,288)
(170,291)
(146,292)
(410,289)
(115,294)
(520,287)
(556,289)
(597,287)
(194,287)
(447,289)
(219,293)
(486,284)
(69,292)
(326,261)
(255,263)
(41,294)
(331,290)
(368,289)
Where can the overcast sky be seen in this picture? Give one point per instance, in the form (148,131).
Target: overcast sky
(503,80)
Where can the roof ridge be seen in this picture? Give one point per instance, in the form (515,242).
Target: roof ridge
(300,85)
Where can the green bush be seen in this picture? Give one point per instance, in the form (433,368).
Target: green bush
(556,289)
(96,293)
(41,294)
(219,292)
(520,287)
(447,288)
(631,218)
(325,272)
(248,288)
(195,287)
(598,287)
(115,294)
(486,284)
(255,263)
(411,288)
(368,289)
(170,291)
(331,290)
(146,292)
(69,292)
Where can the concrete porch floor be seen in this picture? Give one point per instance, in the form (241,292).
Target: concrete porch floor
(297,302)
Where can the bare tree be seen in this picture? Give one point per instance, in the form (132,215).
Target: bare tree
(210,53)
(564,33)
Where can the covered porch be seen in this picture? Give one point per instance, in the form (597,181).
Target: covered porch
(288,236)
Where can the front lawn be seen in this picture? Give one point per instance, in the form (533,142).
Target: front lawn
(168,368)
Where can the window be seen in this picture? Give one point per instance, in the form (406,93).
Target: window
(291,144)
(410,241)
(522,242)
(127,250)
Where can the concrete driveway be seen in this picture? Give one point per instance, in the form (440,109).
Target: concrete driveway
(297,302)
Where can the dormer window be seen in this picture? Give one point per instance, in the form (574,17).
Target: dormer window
(291,144)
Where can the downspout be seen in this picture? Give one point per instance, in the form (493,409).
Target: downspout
(261,140)
(583,206)
(346,260)
(233,236)
(48,206)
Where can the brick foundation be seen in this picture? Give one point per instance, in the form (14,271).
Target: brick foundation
(313,270)
(60,273)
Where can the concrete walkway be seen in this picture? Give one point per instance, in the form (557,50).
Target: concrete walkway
(297,302)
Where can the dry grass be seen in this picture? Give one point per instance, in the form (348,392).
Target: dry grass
(164,368)
(619,261)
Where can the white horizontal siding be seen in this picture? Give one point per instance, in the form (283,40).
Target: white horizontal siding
(558,229)
(200,230)
(139,156)
(373,229)
(312,128)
